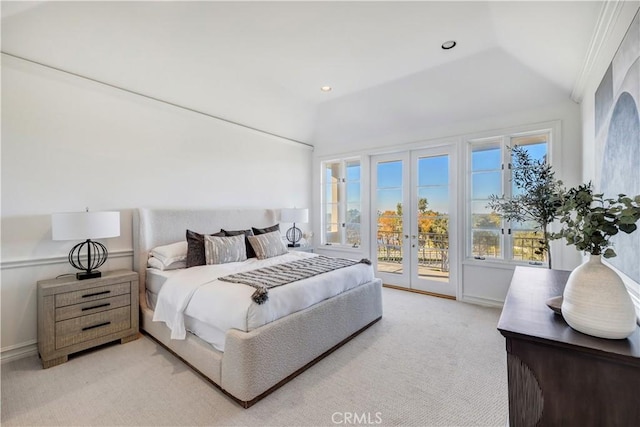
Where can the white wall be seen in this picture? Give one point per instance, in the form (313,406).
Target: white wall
(480,283)
(69,143)
(615,33)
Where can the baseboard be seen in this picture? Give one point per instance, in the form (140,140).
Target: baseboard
(482,301)
(418,291)
(18,351)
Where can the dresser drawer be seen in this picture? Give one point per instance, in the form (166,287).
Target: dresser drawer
(86,328)
(92,294)
(91,307)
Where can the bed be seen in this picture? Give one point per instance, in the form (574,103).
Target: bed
(248,364)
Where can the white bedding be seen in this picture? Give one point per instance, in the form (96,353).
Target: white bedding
(156,278)
(194,293)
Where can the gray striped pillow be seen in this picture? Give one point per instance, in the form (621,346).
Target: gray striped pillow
(221,250)
(267,245)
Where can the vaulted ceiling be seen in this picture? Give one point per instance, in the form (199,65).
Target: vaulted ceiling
(262,63)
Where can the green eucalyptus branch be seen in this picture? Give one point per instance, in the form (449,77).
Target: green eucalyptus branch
(590,220)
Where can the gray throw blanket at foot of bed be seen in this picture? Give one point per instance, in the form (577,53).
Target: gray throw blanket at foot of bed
(266,278)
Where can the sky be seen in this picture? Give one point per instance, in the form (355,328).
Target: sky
(433,179)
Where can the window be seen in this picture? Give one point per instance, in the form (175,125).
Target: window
(490,172)
(341,205)
(486,179)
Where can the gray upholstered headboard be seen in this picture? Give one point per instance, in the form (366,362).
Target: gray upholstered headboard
(154,227)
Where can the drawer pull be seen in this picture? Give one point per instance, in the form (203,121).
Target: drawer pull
(96,326)
(95,294)
(96,306)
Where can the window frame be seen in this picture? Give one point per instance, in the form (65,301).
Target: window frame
(506,235)
(342,202)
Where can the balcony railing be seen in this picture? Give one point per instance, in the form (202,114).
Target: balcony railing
(525,244)
(433,249)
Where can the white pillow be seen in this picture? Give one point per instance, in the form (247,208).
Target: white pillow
(221,250)
(168,254)
(154,262)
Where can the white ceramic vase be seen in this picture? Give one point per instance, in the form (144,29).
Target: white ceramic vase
(596,301)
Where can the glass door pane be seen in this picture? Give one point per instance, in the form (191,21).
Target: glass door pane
(389,193)
(390,183)
(433,218)
(432,213)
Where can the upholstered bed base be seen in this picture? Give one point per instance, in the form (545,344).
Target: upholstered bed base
(255,362)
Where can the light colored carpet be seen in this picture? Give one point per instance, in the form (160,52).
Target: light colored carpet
(428,362)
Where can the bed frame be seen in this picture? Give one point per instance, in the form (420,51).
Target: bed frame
(257,362)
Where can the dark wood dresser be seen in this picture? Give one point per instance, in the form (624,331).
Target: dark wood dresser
(558,376)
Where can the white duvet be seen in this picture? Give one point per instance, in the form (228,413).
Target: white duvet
(196,293)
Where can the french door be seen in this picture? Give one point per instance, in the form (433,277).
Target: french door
(414,211)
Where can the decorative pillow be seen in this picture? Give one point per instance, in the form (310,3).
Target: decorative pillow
(154,262)
(247,233)
(168,254)
(257,231)
(195,248)
(268,245)
(221,250)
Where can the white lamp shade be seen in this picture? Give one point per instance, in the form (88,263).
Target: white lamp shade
(294,215)
(85,225)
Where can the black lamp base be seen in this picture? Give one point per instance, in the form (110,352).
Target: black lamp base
(96,256)
(88,275)
(293,236)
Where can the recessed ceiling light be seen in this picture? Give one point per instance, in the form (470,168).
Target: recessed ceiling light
(326,88)
(449,44)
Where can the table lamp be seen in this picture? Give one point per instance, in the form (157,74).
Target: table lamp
(294,215)
(86,225)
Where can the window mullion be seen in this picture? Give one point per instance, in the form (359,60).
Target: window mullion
(342,218)
(506,191)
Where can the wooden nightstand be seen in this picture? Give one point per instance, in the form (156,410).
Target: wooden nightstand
(75,315)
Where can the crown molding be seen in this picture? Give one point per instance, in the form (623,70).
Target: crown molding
(163,101)
(606,21)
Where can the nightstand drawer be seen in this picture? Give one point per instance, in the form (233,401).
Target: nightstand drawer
(91,307)
(92,294)
(86,328)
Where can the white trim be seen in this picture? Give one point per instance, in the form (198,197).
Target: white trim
(395,148)
(164,101)
(606,21)
(18,351)
(35,262)
(482,301)
(497,263)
